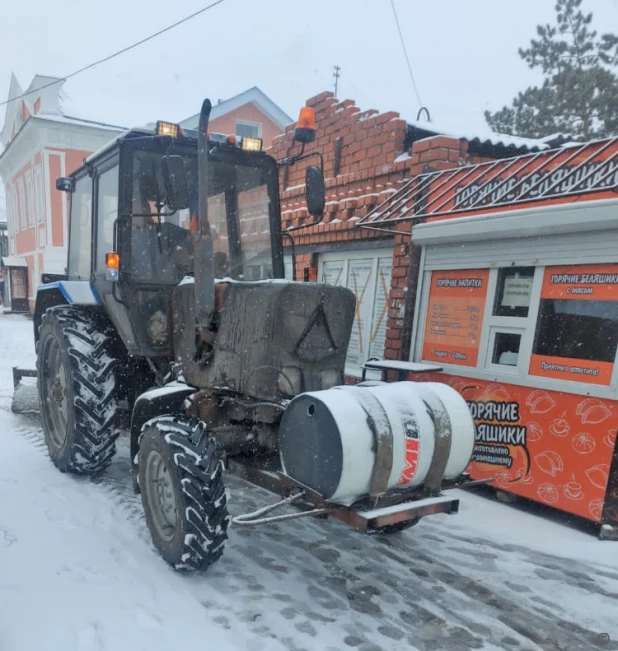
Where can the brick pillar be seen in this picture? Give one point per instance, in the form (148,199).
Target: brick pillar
(395,325)
(437,153)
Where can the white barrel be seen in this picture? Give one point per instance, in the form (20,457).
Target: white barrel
(327,438)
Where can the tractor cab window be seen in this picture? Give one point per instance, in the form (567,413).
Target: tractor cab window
(238,213)
(239,216)
(81,230)
(161,247)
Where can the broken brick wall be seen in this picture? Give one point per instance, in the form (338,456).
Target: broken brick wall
(366,159)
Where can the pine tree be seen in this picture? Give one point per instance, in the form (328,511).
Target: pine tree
(579,94)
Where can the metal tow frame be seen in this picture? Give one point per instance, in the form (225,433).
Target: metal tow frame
(364,517)
(19,373)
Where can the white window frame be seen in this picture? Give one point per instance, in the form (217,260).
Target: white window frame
(250,124)
(38,191)
(346,256)
(501,373)
(526,324)
(492,332)
(23,217)
(30,195)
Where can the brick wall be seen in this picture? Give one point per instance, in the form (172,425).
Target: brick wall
(372,166)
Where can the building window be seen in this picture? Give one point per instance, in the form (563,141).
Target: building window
(9,211)
(22,204)
(508,321)
(14,222)
(504,346)
(577,330)
(248,129)
(30,192)
(38,190)
(513,291)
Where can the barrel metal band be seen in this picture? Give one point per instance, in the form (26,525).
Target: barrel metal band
(443,438)
(383,439)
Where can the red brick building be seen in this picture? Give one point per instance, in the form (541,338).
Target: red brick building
(367,157)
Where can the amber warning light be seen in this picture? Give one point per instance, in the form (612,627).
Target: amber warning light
(305,127)
(112,265)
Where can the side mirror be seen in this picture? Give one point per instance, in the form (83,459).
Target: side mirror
(175,182)
(314,191)
(64,184)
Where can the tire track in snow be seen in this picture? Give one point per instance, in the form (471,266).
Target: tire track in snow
(382,592)
(115,481)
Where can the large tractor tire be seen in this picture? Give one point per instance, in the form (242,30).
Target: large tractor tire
(181,483)
(77,389)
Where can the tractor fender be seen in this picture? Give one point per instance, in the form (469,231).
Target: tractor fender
(46,297)
(62,292)
(160,401)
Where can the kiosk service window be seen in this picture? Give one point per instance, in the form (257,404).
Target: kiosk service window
(554,327)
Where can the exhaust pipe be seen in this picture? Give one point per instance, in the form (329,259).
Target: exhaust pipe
(203,252)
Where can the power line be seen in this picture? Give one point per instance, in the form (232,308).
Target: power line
(405,52)
(118,53)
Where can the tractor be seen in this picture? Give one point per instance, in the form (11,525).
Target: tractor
(174,323)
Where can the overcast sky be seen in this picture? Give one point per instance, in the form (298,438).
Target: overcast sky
(463,53)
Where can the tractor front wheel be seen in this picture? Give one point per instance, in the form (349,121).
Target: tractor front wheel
(181,483)
(77,389)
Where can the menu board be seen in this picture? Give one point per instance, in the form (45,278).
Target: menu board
(455,316)
(380,308)
(360,274)
(593,282)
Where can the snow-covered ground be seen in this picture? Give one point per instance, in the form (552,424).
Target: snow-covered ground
(78,570)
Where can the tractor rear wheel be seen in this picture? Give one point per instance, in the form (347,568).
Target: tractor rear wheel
(77,389)
(181,482)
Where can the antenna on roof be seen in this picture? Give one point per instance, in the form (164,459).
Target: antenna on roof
(336,76)
(420,112)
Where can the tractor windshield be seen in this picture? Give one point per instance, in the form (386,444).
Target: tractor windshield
(239,212)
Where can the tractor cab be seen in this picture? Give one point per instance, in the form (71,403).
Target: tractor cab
(134,221)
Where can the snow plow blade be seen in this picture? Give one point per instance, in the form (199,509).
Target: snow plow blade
(25,394)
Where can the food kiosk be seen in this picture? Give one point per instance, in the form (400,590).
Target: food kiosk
(517,301)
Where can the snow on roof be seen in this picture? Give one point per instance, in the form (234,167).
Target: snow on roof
(110,144)
(251,96)
(14,261)
(482,136)
(68,119)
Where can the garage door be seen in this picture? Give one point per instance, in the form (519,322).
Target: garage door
(368,275)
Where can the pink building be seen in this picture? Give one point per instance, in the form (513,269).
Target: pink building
(40,143)
(250,113)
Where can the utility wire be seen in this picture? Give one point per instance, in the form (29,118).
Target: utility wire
(118,53)
(405,52)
